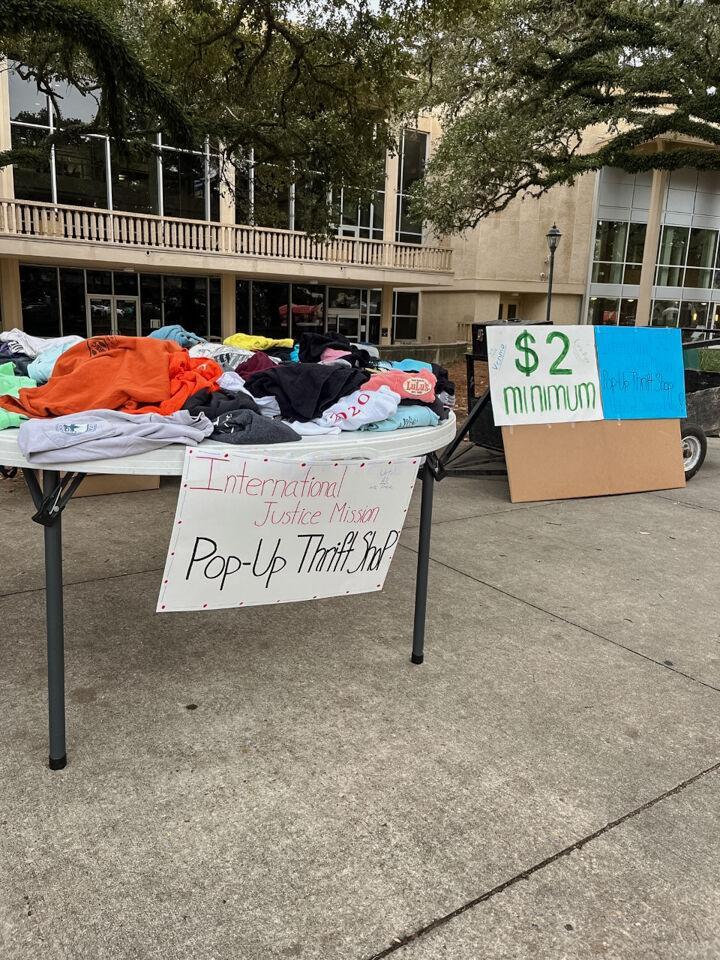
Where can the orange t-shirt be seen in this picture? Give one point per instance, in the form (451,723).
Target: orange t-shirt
(134,374)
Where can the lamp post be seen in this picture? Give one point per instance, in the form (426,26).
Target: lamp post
(553,239)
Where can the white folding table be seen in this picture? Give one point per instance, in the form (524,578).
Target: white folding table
(57,489)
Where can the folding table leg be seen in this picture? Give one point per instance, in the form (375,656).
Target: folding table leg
(423,562)
(55,634)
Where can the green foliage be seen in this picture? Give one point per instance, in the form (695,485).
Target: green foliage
(533,93)
(309,89)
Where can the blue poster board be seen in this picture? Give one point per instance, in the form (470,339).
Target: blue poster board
(641,373)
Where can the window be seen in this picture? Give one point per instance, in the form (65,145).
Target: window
(150,302)
(87,174)
(32,181)
(603,310)
(665,313)
(269,319)
(411,168)
(362,221)
(40,300)
(134,180)
(612,311)
(307,306)
(618,252)
(183,184)
(405,315)
(185,302)
(72,302)
(686,257)
(80,171)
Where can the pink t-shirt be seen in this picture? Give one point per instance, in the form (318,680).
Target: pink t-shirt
(410,386)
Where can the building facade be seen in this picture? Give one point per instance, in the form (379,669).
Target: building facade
(99,240)
(636,249)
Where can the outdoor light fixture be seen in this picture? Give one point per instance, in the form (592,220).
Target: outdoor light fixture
(553,239)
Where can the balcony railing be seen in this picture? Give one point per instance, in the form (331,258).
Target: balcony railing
(24,218)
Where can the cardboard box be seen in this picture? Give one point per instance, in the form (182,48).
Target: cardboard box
(556,461)
(99,484)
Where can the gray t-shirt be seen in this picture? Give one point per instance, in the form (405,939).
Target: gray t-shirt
(105,434)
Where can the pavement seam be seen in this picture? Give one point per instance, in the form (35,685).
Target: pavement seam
(571,623)
(686,503)
(541,865)
(77,583)
(477,516)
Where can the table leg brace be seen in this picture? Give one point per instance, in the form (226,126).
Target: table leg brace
(423,562)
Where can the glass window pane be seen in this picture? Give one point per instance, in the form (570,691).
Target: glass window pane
(242,196)
(80,169)
(603,310)
(134,180)
(673,245)
(345,298)
(693,314)
(628,312)
(310,203)
(99,281)
(406,302)
(72,298)
(242,306)
(669,276)
(697,278)
(271,199)
(183,185)
(26,101)
(308,308)
(32,182)
(214,176)
(636,242)
(269,319)
(408,231)
(632,273)
(150,303)
(74,105)
(405,328)
(125,284)
(186,303)
(701,250)
(40,302)
(610,240)
(607,273)
(665,313)
(414,150)
(215,305)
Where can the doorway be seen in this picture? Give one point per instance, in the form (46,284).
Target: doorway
(108,314)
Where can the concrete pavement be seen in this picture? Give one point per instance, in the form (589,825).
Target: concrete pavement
(283,783)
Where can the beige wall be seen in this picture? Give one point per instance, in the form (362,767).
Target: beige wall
(446,317)
(565,308)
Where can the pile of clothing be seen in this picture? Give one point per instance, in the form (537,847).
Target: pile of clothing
(111,396)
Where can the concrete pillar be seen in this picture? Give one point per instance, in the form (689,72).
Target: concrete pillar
(6,175)
(386,311)
(652,239)
(227,304)
(391,181)
(10,299)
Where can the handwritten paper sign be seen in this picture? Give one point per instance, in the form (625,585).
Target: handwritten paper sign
(252,530)
(543,374)
(642,376)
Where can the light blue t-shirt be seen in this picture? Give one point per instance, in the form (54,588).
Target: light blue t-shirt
(411,415)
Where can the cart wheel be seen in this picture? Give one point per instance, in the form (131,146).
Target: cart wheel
(694,445)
